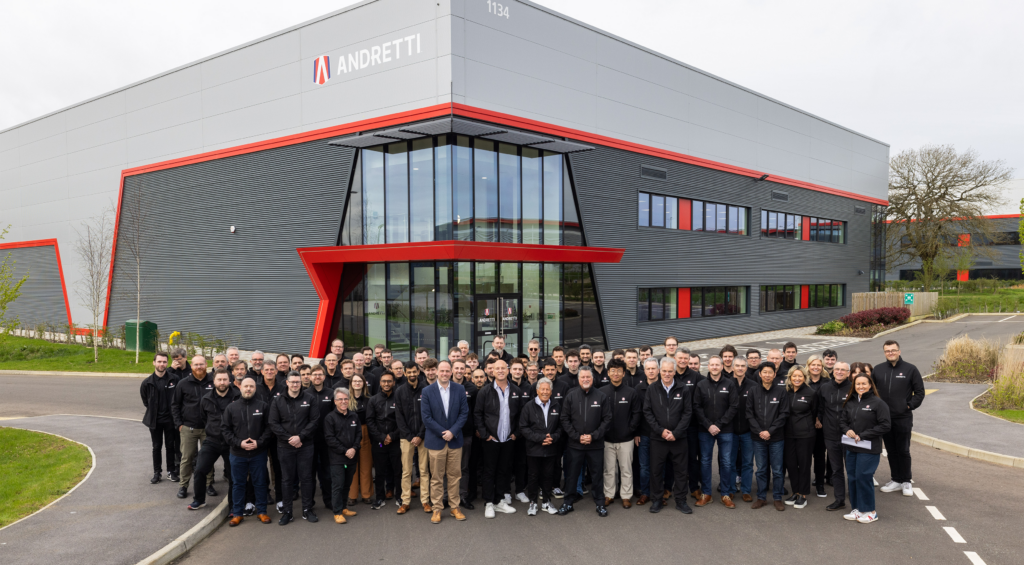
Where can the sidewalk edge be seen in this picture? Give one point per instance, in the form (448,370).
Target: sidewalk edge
(963,451)
(191,538)
(17,373)
(896,329)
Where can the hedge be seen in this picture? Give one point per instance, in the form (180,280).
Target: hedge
(883,316)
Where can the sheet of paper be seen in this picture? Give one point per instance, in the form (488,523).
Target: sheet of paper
(864,443)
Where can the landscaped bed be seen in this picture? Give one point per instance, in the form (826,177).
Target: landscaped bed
(29,354)
(867,323)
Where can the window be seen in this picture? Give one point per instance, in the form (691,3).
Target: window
(775,298)
(695,215)
(654,304)
(783,225)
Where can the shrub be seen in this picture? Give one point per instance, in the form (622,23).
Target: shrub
(1008,389)
(829,328)
(877,316)
(966,360)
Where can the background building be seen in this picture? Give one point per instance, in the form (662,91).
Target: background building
(605,193)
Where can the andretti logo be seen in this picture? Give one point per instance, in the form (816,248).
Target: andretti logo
(321,69)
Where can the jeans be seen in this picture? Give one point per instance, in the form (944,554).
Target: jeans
(743,455)
(165,437)
(860,467)
(644,454)
(255,467)
(726,472)
(769,455)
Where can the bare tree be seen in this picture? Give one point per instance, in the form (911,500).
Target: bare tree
(132,242)
(9,291)
(93,248)
(936,195)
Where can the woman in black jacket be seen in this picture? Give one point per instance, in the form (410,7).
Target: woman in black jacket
(800,432)
(541,432)
(863,421)
(344,436)
(818,375)
(362,483)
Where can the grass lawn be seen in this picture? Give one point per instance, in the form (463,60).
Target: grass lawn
(36,469)
(1011,415)
(28,354)
(999,300)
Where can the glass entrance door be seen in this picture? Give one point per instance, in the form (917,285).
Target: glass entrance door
(497,315)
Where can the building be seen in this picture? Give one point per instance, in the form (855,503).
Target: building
(417,172)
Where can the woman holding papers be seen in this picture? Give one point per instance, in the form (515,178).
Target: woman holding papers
(863,421)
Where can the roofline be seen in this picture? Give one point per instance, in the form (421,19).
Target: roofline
(365,2)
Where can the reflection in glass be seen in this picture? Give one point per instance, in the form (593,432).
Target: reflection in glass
(443,191)
(508,181)
(421,190)
(462,189)
(645,209)
(373,196)
(552,198)
(533,195)
(485,181)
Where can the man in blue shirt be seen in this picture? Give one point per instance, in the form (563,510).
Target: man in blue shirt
(444,409)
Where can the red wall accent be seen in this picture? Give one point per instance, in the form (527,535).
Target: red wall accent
(805,228)
(60,267)
(805,297)
(685,214)
(684,301)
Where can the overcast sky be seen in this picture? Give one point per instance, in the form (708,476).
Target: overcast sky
(907,73)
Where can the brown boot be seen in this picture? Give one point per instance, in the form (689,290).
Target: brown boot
(644,499)
(779,505)
(758,504)
(727,501)
(416,483)
(264,518)
(747,498)
(403,509)
(347,512)
(339,519)
(235,520)
(436,518)
(626,503)
(608,501)
(695,494)
(427,508)
(704,500)
(457,514)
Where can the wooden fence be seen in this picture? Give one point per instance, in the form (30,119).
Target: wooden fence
(923,304)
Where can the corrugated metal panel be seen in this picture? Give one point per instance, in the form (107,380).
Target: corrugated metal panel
(607,184)
(248,287)
(42,298)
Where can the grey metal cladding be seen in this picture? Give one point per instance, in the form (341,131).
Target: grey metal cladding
(248,287)
(518,138)
(361,141)
(607,184)
(466,127)
(563,147)
(397,133)
(436,127)
(42,296)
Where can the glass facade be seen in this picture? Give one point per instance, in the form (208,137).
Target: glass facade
(455,187)
(436,304)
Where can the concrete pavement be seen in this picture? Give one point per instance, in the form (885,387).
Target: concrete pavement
(116,516)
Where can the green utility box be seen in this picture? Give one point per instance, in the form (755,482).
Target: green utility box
(147,335)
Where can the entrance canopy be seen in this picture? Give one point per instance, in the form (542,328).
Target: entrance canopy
(335,271)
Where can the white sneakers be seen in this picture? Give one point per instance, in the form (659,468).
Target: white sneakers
(853,516)
(280,508)
(489,510)
(504,507)
(557,493)
(891,486)
(532,510)
(521,497)
(908,489)
(549,508)
(868,517)
(508,498)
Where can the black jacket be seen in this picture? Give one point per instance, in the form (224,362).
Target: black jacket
(410,420)
(269,394)
(671,411)
(244,419)
(716,403)
(601,377)
(900,386)
(325,402)
(586,412)
(157,394)
(253,374)
(868,417)
(643,429)
(784,367)
(185,405)
(690,379)
(488,408)
(181,374)
(361,403)
(831,397)
(294,417)
(627,411)
(559,388)
(471,392)
(213,406)
(630,380)
(767,410)
(534,429)
(381,418)
(740,425)
(342,432)
(803,410)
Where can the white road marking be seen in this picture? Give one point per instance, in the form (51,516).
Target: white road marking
(975,559)
(884,452)
(935,513)
(876,482)
(920,494)
(1004,319)
(957,538)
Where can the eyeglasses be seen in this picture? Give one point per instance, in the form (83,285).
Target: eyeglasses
(534,349)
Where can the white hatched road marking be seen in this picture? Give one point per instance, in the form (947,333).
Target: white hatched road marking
(1004,319)
(920,494)
(957,538)
(975,559)
(935,513)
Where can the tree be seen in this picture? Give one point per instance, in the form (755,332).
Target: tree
(9,291)
(937,195)
(131,234)
(93,248)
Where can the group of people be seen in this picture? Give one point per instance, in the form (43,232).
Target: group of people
(532,429)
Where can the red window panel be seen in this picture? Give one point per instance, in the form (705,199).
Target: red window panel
(685,216)
(684,294)
(805,296)
(805,233)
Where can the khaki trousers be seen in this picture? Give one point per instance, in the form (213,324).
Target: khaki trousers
(407,466)
(190,439)
(621,453)
(362,483)
(444,463)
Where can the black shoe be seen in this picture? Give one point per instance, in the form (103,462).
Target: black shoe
(377,505)
(837,505)
(182,492)
(174,477)
(656,506)
(602,511)
(310,516)
(785,492)
(352,502)
(155,479)
(285,518)
(684,508)
(466,504)
(565,509)
(821,491)
(210,491)
(194,505)
(792,500)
